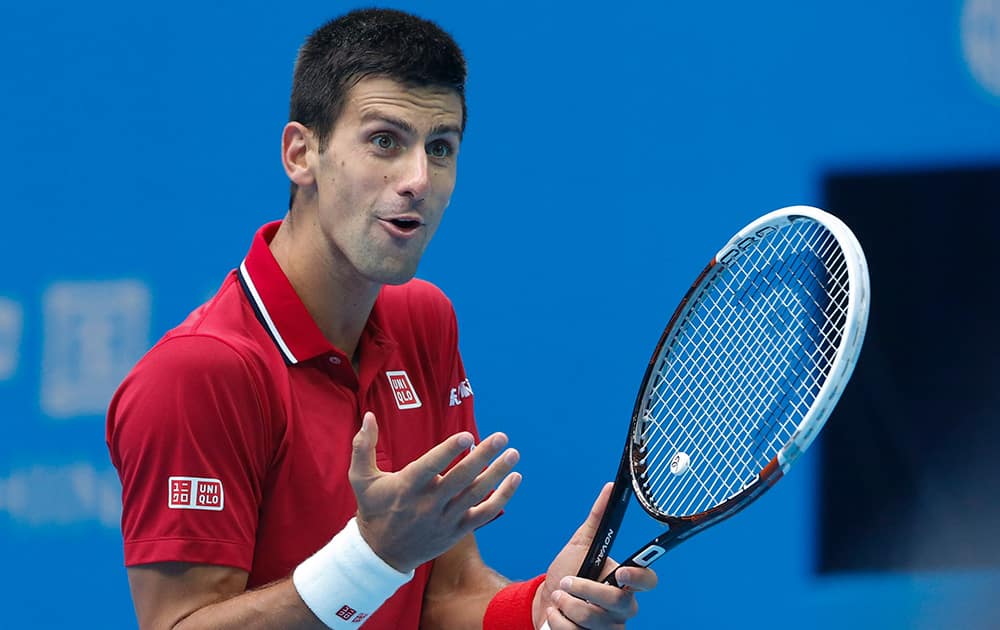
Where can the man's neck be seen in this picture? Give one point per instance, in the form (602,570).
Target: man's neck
(337,299)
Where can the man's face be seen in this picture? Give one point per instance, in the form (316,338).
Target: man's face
(386,177)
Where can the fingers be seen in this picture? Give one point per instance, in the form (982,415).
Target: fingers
(463,490)
(487,510)
(472,464)
(582,603)
(427,467)
(594,605)
(488,480)
(475,475)
(586,532)
(363,465)
(635,579)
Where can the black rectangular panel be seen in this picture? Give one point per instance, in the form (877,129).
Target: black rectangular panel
(910,460)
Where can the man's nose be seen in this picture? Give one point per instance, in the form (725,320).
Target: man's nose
(415,180)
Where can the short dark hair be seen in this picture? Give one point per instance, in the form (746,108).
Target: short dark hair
(364,43)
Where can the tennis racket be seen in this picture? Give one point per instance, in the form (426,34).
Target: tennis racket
(742,380)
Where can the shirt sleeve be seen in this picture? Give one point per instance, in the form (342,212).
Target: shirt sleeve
(186,433)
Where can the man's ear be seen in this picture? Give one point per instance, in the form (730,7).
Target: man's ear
(296,140)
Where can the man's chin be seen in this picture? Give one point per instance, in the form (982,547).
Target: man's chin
(394,275)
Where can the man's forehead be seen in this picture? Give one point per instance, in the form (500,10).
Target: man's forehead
(381,97)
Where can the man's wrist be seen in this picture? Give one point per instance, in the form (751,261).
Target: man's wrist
(511,608)
(345,581)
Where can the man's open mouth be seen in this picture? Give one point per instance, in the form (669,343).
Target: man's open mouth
(406,224)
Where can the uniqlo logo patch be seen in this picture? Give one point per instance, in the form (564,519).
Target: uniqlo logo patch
(195,493)
(402,390)
(346,613)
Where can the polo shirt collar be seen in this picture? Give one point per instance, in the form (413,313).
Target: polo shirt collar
(276,303)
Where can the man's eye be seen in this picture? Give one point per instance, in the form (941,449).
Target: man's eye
(439,149)
(384,141)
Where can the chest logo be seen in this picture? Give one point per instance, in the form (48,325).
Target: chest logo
(464,390)
(402,390)
(195,493)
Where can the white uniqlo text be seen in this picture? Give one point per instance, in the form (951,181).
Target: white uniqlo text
(195,493)
(402,390)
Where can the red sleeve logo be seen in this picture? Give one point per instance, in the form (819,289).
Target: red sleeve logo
(195,493)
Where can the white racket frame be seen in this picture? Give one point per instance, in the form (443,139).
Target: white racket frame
(856,321)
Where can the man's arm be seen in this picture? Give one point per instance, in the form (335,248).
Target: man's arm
(404,518)
(181,596)
(460,588)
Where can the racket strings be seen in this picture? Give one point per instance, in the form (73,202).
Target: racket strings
(720,402)
(736,430)
(745,364)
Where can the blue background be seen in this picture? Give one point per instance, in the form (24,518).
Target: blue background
(611,149)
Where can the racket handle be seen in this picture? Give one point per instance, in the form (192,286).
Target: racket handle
(607,531)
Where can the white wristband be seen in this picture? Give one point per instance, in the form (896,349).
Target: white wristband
(345,581)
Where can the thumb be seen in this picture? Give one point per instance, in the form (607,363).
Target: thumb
(586,532)
(363,465)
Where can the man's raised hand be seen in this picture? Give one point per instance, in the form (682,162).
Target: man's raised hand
(418,513)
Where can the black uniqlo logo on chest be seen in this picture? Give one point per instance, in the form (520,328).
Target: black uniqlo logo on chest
(402,390)
(346,613)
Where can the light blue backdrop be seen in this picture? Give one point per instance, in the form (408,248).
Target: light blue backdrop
(611,148)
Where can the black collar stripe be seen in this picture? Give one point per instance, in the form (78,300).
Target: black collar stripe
(265,318)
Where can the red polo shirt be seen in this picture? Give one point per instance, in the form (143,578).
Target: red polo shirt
(232,436)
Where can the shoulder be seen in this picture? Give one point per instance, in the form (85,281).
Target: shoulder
(418,313)
(216,355)
(190,386)
(182,353)
(186,372)
(222,335)
(415,294)
(419,301)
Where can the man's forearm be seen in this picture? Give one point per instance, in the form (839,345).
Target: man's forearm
(460,588)
(463,609)
(276,606)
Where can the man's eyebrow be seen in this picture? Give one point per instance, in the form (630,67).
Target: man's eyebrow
(436,130)
(443,129)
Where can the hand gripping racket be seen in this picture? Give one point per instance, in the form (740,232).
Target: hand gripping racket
(743,378)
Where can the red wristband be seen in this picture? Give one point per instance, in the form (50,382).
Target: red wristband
(510,609)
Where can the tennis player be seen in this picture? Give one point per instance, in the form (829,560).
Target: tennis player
(296,454)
